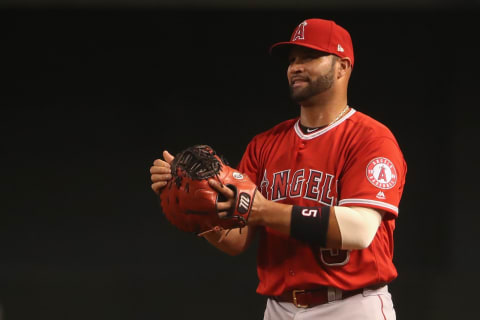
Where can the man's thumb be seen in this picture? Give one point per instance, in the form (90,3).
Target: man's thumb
(167,156)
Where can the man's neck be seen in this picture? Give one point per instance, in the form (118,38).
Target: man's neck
(321,113)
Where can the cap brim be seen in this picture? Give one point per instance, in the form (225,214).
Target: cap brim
(281,48)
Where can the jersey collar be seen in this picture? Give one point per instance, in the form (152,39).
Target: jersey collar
(317,133)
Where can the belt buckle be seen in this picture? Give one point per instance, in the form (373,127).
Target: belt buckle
(294,294)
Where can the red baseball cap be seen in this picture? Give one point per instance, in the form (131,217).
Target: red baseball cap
(322,35)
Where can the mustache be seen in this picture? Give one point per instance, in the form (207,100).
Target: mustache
(299,78)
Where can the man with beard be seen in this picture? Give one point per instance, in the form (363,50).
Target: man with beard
(329,185)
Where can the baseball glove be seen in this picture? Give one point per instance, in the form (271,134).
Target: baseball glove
(188,201)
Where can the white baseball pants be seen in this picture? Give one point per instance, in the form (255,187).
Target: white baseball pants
(370,305)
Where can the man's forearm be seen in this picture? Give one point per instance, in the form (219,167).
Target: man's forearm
(278,216)
(234,243)
(271,214)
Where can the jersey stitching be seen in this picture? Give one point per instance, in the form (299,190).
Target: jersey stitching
(372,202)
(315,134)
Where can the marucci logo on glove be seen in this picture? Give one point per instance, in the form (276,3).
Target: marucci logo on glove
(244,203)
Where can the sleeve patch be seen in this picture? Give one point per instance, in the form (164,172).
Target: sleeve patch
(382,173)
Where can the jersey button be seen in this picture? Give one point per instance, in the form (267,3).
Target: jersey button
(301,146)
(291,272)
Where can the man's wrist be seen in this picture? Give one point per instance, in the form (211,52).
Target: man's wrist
(271,214)
(256,218)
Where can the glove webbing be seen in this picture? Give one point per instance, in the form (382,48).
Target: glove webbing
(198,163)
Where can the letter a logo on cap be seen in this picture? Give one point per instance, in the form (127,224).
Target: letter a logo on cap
(300,32)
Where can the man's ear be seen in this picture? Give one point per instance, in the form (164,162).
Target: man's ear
(345,65)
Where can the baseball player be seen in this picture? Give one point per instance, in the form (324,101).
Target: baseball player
(329,185)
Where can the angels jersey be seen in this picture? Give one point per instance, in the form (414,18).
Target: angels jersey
(355,161)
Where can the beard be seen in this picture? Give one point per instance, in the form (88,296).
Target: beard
(314,87)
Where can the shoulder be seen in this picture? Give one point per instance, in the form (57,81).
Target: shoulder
(280,129)
(368,136)
(264,141)
(260,145)
(369,127)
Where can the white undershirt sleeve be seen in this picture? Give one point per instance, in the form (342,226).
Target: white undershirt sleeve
(358,226)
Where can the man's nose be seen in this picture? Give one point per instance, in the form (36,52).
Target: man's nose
(296,66)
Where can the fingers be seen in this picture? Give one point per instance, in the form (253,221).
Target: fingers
(222,214)
(223,206)
(157,186)
(168,157)
(161,177)
(222,189)
(160,172)
(161,163)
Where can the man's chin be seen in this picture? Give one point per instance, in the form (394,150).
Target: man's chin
(299,96)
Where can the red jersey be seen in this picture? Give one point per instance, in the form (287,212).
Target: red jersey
(355,161)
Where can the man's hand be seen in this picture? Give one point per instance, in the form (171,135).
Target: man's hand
(160,172)
(228,195)
(225,206)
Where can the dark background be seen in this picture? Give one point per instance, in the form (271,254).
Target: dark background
(90,96)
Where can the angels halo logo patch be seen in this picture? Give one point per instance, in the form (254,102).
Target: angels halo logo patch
(382,173)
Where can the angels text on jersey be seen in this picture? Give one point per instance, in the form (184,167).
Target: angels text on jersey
(307,183)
